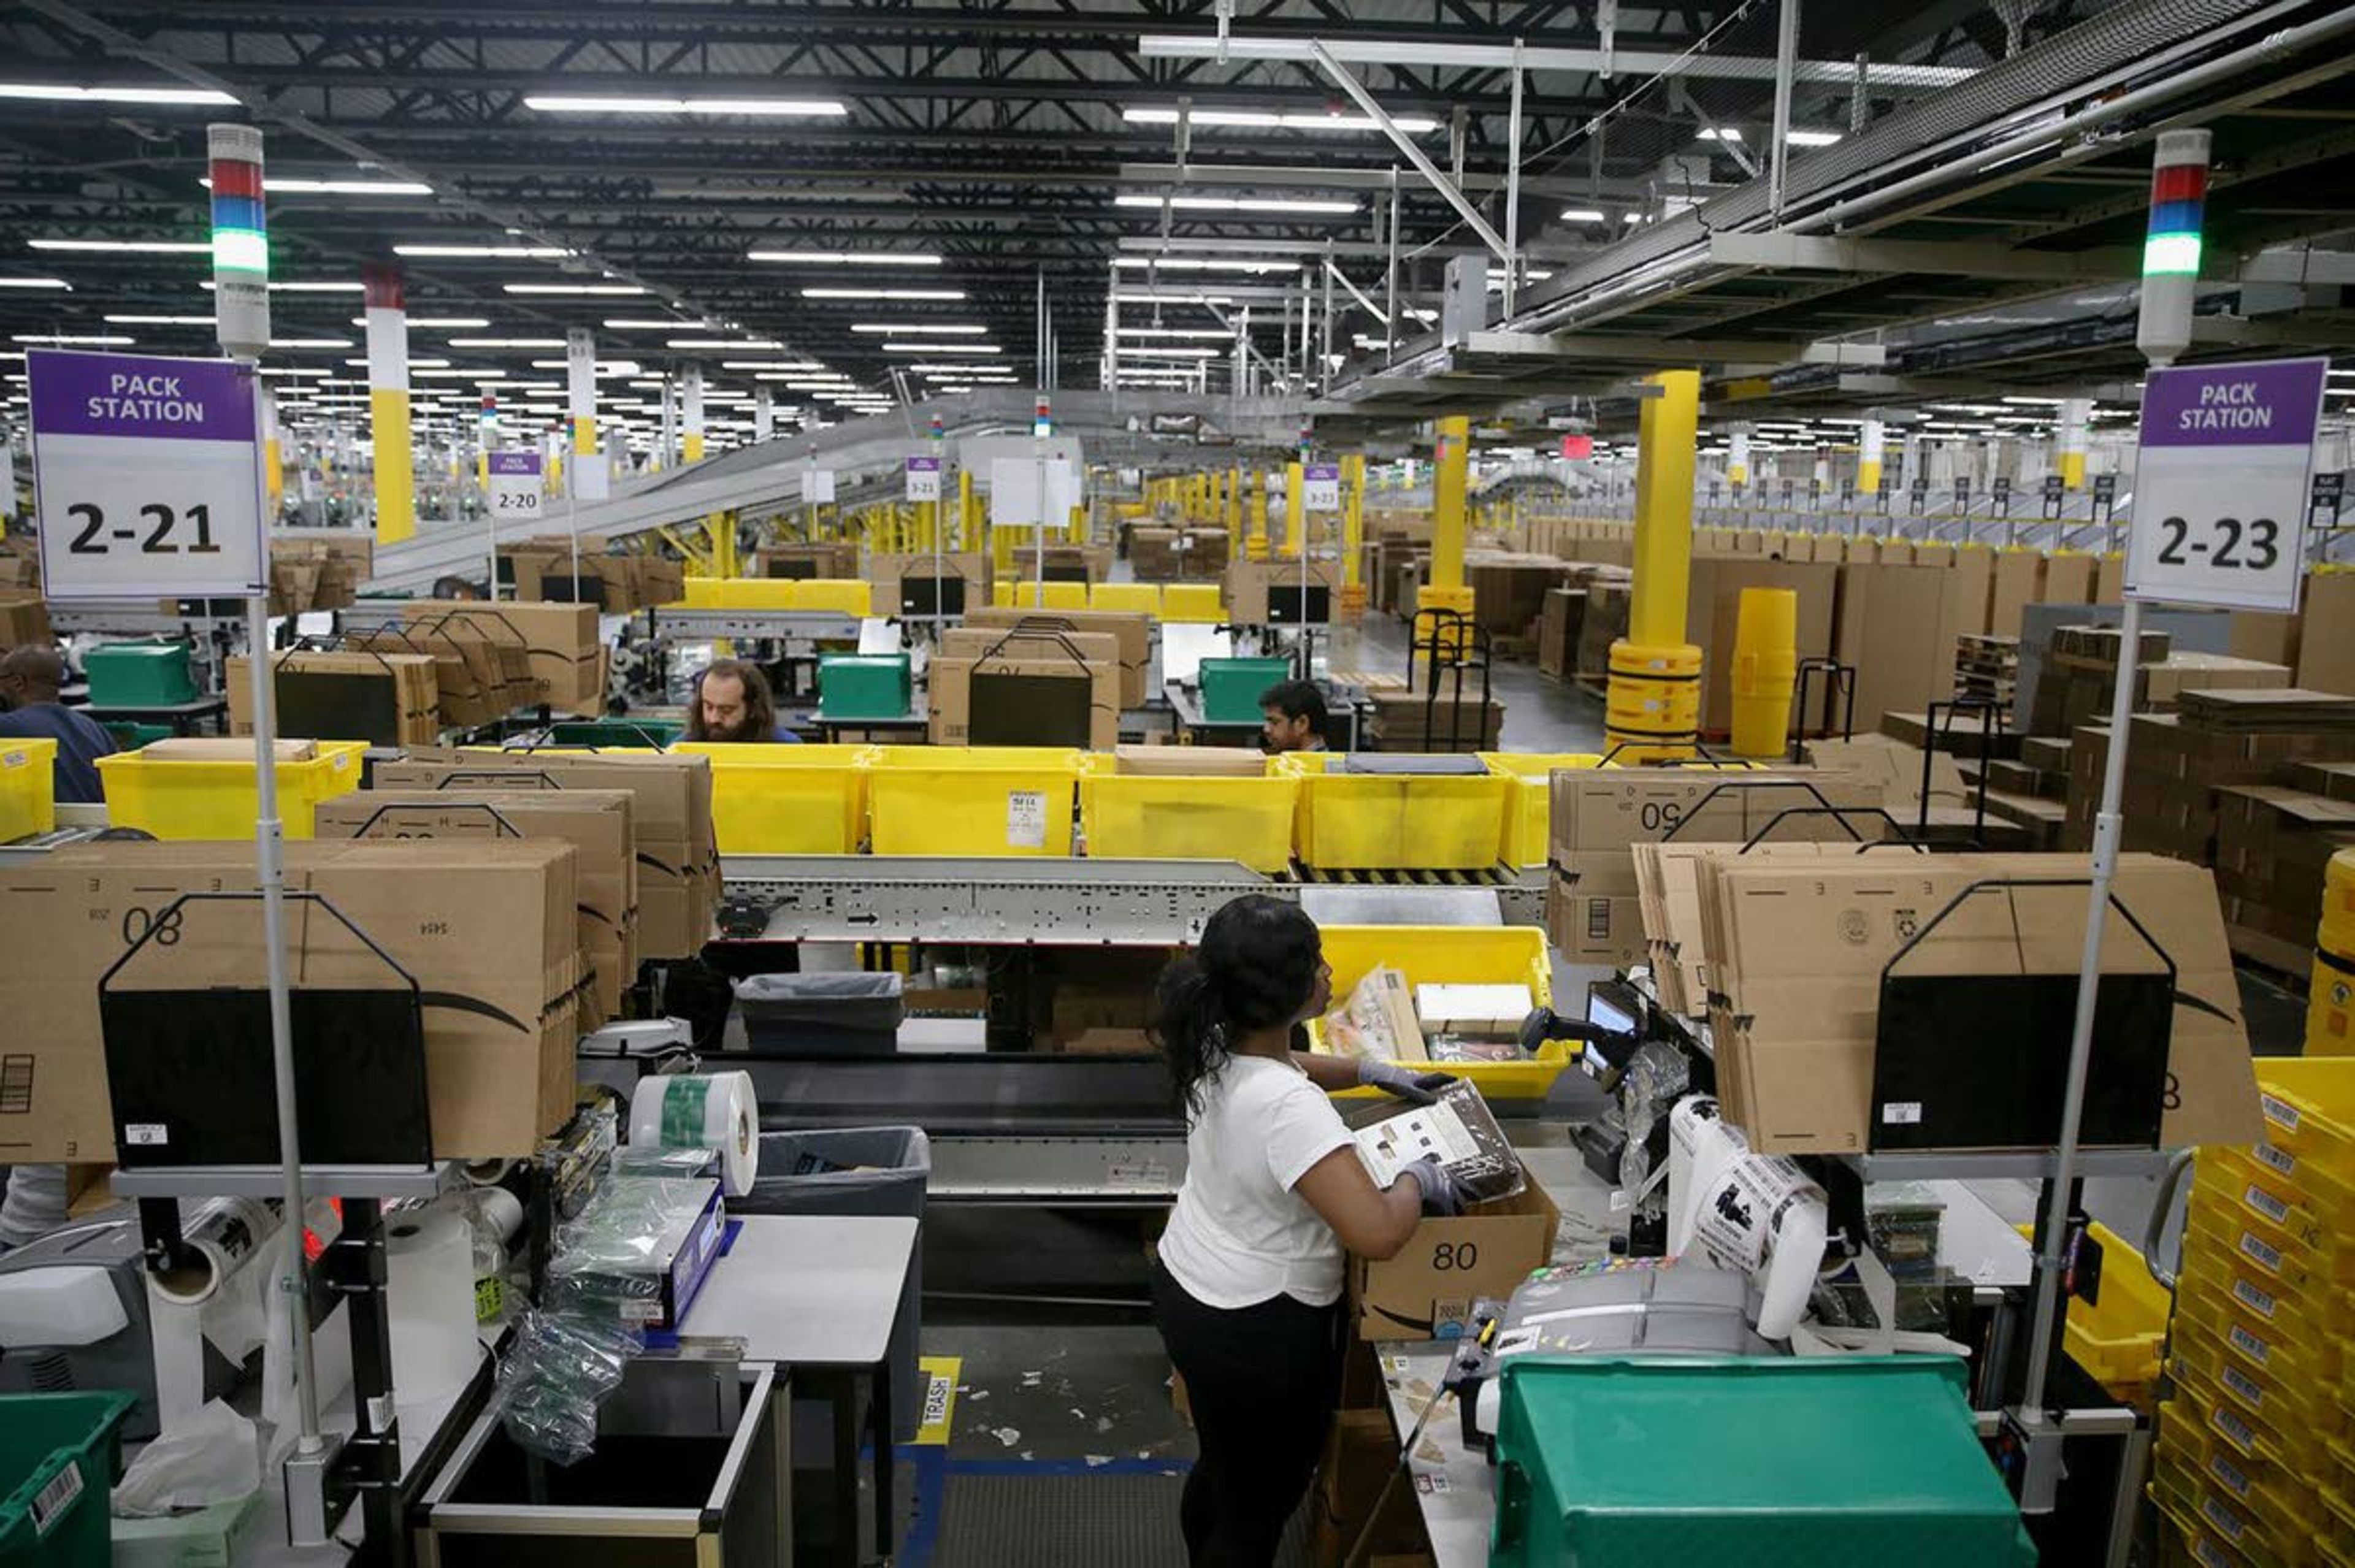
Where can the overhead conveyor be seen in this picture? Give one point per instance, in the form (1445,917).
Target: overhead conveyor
(767,477)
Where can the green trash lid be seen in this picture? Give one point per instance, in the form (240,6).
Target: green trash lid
(1650,1462)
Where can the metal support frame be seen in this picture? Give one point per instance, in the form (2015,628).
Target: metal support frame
(1428,56)
(1323,55)
(1786,59)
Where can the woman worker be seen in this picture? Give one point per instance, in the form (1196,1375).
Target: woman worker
(1247,1290)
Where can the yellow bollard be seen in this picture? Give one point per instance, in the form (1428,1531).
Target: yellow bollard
(1653,706)
(1765,668)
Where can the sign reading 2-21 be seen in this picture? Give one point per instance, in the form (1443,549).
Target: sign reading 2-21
(2220,501)
(148,476)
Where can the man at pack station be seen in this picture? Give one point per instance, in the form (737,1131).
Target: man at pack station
(1292,717)
(733,702)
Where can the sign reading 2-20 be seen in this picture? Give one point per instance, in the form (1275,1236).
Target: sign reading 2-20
(515,479)
(148,476)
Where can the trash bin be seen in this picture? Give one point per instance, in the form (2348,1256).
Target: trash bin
(880,1171)
(822,1014)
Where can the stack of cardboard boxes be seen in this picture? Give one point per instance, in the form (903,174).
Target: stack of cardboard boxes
(1178,555)
(824,559)
(319,568)
(962,705)
(1413,721)
(543,569)
(549,654)
(486,931)
(391,699)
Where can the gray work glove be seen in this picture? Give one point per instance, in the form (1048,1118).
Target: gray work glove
(1441,1196)
(1418,1088)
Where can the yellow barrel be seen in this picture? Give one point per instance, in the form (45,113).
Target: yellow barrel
(2338,934)
(1765,668)
(1652,710)
(2331,1006)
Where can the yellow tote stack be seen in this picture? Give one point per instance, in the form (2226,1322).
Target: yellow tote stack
(1765,668)
(2330,1013)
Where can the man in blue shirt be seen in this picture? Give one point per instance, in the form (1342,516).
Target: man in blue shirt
(30,679)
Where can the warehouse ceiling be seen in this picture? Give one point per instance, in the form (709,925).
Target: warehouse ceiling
(997,151)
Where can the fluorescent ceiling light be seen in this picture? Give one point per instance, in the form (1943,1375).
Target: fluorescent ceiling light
(1171,353)
(38,284)
(912,329)
(505,342)
(300,288)
(50,93)
(1720,133)
(723,343)
(272,184)
(569,103)
(1198,333)
(1814,138)
(291,372)
(453,373)
(770,364)
(1269,204)
(486,252)
(656,323)
(948,294)
(1162,298)
(573,289)
(1264,120)
(95,339)
(1534,275)
(1582,215)
(898,347)
(603,368)
(1633,218)
(954,369)
(1204,264)
(157,320)
(310,343)
(441,323)
(846,258)
(413,364)
(132,247)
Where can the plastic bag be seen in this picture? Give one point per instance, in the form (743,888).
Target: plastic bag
(1656,1080)
(560,1367)
(213,1456)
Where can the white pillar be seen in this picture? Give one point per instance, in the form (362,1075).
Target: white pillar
(591,476)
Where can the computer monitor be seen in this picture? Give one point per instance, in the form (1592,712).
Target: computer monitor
(586,588)
(1066,574)
(1293,604)
(931,596)
(360,705)
(791,565)
(1029,710)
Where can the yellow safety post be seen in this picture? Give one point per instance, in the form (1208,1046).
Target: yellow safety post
(1653,708)
(395,455)
(1450,481)
(1295,509)
(1255,547)
(1235,514)
(1353,533)
(1765,668)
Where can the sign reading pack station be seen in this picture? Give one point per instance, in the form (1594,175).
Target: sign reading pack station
(515,488)
(147,475)
(2221,484)
(1320,488)
(923,479)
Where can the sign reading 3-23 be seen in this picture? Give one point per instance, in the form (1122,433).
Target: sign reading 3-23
(147,475)
(2220,502)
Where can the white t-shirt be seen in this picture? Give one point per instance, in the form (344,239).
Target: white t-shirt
(1240,1234)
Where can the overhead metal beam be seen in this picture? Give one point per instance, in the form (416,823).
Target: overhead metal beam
(1348,82)
(1673,350)
(1499,56)
(1337,176)
(1812,253)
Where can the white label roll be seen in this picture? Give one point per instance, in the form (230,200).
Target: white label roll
(694,1110)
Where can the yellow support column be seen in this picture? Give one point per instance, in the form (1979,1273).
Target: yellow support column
(1255,547)
(1450,481)
(1235,514)
(1353,533)
(1654,704)
(389,431)
(966,532)
(1295,511)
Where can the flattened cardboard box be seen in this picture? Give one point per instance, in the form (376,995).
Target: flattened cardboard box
(1190,761)
(596,823)
(678,858)
(488,934)
(1131,631)
(411,678)
(951,693)
(1800,950)
(558,641)
(887,572)
(1248,582)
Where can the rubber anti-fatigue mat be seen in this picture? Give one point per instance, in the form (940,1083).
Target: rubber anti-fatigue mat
(1069,1521)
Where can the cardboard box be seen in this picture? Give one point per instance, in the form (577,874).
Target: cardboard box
(2326,645)
(1894,629)
(1558,629)
(1190,761)
(1131,631)
(1248,582)
(559,643)
(24,619)
(1427,1290)
(1896,768)
(489,929)
(888,572)
(1799,947)
(392,699)
(598,824)
(1714,608)
(1077,657)
(1361,1454)
(678,855)
(2019,583)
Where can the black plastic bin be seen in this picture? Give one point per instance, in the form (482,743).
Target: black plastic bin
(879,1171)
(822,1014)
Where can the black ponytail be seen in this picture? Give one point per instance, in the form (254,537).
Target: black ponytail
(1254,968)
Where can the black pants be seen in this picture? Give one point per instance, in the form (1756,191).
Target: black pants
(1263,1380)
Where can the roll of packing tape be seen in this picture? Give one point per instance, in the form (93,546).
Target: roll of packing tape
(496,1209)
(694,1110)
(220,1238)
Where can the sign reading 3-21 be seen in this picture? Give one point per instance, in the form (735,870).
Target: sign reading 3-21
(2220,501)
(147,475)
